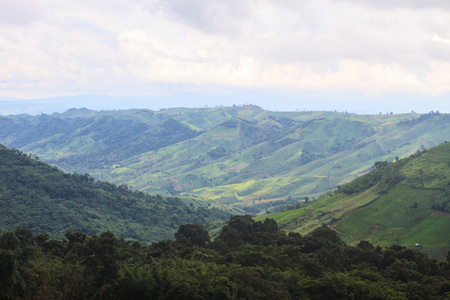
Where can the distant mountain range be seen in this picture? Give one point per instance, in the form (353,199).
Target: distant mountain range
(240,158)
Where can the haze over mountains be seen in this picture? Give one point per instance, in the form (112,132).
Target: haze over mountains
(241,158)
(171,96)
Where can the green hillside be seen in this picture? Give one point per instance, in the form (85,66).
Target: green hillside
(240,158)
(404,202)
(39,197)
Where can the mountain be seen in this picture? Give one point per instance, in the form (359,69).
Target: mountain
(42,198)
(240,158)
(404,202)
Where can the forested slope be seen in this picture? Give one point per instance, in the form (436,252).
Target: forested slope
(82,139)
(39,197)
(248,260)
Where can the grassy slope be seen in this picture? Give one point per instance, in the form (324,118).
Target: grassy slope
(403,215)
(393,219)
(270,171)
(263,156)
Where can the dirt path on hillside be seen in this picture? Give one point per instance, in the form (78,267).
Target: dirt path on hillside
(308,208)
(417,148)
(338,231)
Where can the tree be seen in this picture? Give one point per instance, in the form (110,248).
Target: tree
(194,234)
(102,260)
(379,164)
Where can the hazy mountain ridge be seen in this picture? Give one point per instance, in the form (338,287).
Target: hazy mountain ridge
(79,141)
(240,157)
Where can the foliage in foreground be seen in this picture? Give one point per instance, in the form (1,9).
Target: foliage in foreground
(248,260)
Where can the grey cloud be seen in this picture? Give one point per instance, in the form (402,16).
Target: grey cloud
(440,51)
(210,16)
(20,12)
(395,38)
(328,48)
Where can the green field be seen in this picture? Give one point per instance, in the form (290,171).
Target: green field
(405,202)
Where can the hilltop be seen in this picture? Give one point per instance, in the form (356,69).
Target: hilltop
(404,202)
(241,158)
(42,198)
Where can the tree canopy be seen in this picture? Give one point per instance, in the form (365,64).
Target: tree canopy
(266,263)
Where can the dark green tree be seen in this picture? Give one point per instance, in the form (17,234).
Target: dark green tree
(193,234)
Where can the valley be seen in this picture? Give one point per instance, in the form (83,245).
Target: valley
(361,175)
(243,159)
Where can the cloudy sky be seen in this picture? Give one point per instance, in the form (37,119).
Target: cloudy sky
(356,55)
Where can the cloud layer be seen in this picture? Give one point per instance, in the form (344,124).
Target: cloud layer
(118,47)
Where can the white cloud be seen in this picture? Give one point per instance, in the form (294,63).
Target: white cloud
(412,4)
(126,47)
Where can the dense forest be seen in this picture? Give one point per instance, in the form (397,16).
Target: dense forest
(42,198)
(248,260)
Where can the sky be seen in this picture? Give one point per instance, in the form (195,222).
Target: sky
(362,56)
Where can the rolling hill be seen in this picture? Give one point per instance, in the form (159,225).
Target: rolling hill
(241,158)
(404,202)
(42,198)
